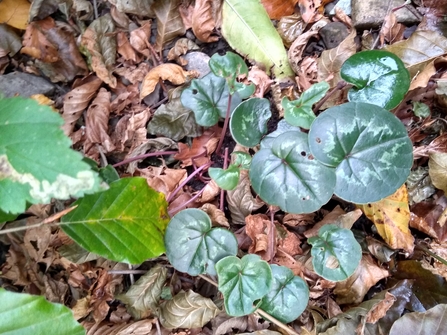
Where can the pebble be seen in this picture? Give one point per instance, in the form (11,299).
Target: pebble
(333,34)
(198,61)
(24,84)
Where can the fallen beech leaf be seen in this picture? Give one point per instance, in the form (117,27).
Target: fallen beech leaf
(76,101)
(277,9)
(354,289)
(14,13)
(97,121)
(437,168)
(130,328)
(100,42)
(309,10)
(36,44)
(203,23)
(124,48)
(430,322)
(172,72)
(217,217)
(258,228)
(210,192)
(181,47)
(163,179)
(391,31)
(299,219)
(139,38)
(379,310)
(391,216)
(169,22)
(425,217)
(261,80)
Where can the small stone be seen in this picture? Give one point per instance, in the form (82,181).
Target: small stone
(198,61)
(368,14)
(24,84)
(333,34)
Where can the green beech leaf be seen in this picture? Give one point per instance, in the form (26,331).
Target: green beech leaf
(208,98)
(225,179)
(299,112)
(288,297)
(192,246)
(242,282)
(187,310)
(248,122)
(36,162)
(287,175)
(26,314)
(369,147)
(248,29)
(230,66)
(379,77)
(336,253)
(126,223)
(282,127)
(243,160)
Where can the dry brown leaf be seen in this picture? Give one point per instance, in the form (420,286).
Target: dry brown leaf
(139,38)
(341,16)
(80,309)
(277,9)
(309,10)
(299,219)
(181,47)
(437,168)
(36,44)
(261,80)
(169,22)
(258,228)
(432,264)
(425,217)
(391,31)
(97,121)
(216,215)
(124,48)
(76,101)
(210,192)
(141,327)
(37,241)
(307,73)
(391,216)
(380,309)
(55,290)
(14,13)
(130,131)
(287,242)
(203,23)
(333,309)
(354,289)
(163,179)
(172,72)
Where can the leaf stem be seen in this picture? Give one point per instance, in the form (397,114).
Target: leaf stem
(222,191)
(340,85)
(440,259)
(139,157)
(225,127)
(171,196)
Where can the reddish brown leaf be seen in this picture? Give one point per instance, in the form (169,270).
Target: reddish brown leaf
(139,39)
(36,44)
(163,179)
(309,10)
(261,80)
(391,31)
(258,227)
(276,9)
(203,22)
(125,49)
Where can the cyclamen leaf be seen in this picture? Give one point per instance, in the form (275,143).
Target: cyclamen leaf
(208,99)
(225,179)
(36,161)
(192,246)
(30,314)
(282,127)
(126,223)
(242,282)
(299,112)
(336,253)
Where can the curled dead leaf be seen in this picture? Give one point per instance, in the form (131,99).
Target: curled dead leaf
(203,22)
(216,215)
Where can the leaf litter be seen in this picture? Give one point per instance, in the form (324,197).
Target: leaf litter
(106,60)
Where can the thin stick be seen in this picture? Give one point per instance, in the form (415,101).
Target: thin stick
(171,196)
(187,202)
(224,129)
(127,272)
(440,259)
(136,158)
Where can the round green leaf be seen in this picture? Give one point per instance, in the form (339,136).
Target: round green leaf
(230,66)
(288,176)
(208,97)
(26,314)
(225,179)
(249,121)
(299,112)
(379,77)
(368,145)
(242,282)
(288,297)
(192,246)
(282,127)
(336,253)
(126,223)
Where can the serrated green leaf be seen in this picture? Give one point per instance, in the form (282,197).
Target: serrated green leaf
(26,314)
(126,223)
(142,297)
(369,147)
(282,127)
(336,253)
(36,161)
(248,122)
(225,179)
(230,66)
(299,112)
(174,121)
(248,29)
(192,246)
(288,297)
(379,77)
(242,282)
(208,98)
(288,176)
(187,310)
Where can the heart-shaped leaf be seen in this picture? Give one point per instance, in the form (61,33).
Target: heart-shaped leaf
(379,77)
(368,145)
(287,175)
(192,246)
(282,127)
(208,98)
(125,223)
(299,112)
(242,160)
(336,253)
(288,297)
(249,121)
(225,179)
(230,66)
(242,282)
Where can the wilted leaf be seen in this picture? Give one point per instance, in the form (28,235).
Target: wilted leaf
(181,47)
(10,42)
(169,22)
(172,72)
(136,7)
(142,297)
(203,23)
(437,165)
(431,322)
(309,10)
(391,217)
(100,42)
(14,13)
(187,310)
(277,9)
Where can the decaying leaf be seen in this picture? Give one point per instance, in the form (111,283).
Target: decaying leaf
(391,31)
(263,235)
(203,22)
(261,80)
(136,7)
(163,179)
(36,44)
(181,47)
(169,22)
(10,42)
(277,9)
(217,217)
(14,13)
(391,216)
(139,38)
(437,166)
(309,10)
(124,48)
